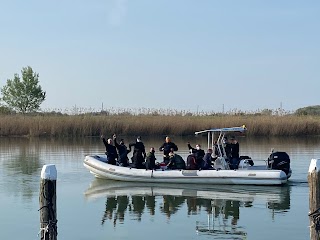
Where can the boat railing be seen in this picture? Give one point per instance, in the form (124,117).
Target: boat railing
(221,163)
(244,163)
(268,166)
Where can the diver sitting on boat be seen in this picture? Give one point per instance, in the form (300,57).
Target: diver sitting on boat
(151,160)
(199,154)
(176,161)
(208,160)
(191,161)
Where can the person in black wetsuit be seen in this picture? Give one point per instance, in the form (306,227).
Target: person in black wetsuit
(235,158)
(199,154)
(122,151)
(151,160)
(139,153)
(166,148)
(176,161)
(227,149)
(111,150)
(207,160)
(191,161)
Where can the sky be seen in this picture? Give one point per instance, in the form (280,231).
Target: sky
(205,55)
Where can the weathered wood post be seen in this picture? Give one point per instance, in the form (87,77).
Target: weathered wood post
(314,198)
(47,200)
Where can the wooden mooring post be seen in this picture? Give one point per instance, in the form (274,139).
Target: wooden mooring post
(314,198)
(47,200)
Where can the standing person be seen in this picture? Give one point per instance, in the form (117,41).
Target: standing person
(227,149)
(151,160)
(139,153)
(235,158)
(122,151)
(199,154)
(111,150)
(166,148)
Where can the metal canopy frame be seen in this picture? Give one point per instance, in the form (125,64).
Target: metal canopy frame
(221,131)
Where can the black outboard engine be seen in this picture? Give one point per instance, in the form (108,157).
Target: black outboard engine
(279,161)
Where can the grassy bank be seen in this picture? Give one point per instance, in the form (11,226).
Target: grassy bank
(91,125)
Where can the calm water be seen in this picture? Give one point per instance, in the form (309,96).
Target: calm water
(92,209)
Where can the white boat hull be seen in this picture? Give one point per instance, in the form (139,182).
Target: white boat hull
(246,176)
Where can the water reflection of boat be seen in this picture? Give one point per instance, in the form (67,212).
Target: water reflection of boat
(104,188)
(221,204)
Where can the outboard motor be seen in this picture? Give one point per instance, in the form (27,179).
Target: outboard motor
(279,161)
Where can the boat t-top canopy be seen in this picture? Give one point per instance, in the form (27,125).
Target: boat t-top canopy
(231,129)
(220,139)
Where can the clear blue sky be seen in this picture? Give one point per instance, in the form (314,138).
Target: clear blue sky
(179,54)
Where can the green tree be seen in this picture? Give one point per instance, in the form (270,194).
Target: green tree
(24,95)
(310,110)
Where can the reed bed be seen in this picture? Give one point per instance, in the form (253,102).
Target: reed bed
(131,125)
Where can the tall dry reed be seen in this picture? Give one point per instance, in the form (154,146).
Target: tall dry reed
(95,125)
